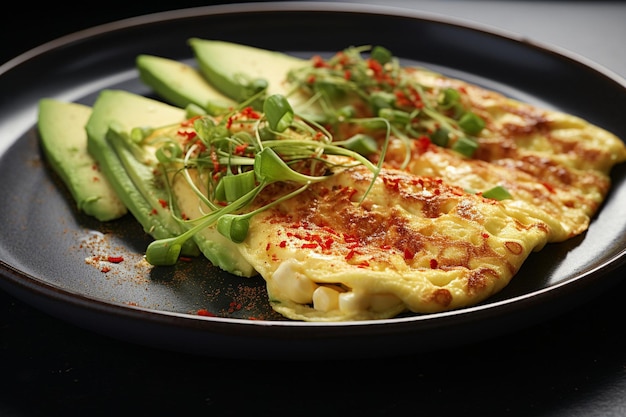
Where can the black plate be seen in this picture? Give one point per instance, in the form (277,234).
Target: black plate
(47,248)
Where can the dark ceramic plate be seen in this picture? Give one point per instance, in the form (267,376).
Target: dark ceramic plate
(48,250)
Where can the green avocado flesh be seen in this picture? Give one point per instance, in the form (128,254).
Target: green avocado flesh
(180,84)
(233,68)
(114,114)
(61,127)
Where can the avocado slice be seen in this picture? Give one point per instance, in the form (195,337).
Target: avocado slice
(180,84)
(115,113)
(61,128)
(239,70)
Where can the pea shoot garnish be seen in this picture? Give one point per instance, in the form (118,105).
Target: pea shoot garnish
(229,160)
(373,77)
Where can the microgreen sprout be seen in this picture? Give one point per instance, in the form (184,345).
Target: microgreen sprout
(229,160)
(392,92)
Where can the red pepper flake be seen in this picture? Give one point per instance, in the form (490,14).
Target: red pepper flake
(392,183)
(184,259)
(115,259)
(408,254)
(154,211)
(163,203)
(309,246)
(434,264)
(326,244)
(190,121)
(215,160)
(318,62)
(241,149)
(376,67)
(422,144)
(549,187)
(187,134)
(234,306)
(249,112)
(105,269)
(283,244)
(351,254)
(204,312)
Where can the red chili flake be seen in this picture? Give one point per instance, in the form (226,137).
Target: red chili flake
(401,99)
(96,179)
(154,211)
(408,254)
(344,59)
(393,183)
(105,269)
(422,144)
(184,259)
(376,67)
(318,62)
(350,238)
(309,246)
(549,187)
(163,203)
(283,244)
(187,134)
(347,74)
(229,122)
(234,306)
(250,113)
(241,149)
(215,160)
(327,243)
(205,312)
(433,264)
(485,235)
(190,121)
(115,259)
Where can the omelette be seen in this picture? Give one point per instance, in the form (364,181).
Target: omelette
(462,186)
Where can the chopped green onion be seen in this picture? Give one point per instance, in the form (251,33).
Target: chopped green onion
(381,54)
(465,146)
(395,116)
(449,97)
(497,193)
(471,123)
(231,187)
(381,100)
(440,137)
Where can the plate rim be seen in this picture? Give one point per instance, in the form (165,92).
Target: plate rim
(20,282)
